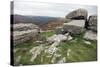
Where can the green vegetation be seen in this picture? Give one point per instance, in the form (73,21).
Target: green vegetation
(47,34)
(79,51)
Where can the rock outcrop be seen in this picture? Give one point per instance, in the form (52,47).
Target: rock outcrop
(92,23)
(75,24)
(90,35)
(23,32)
(78,14)
(24,26)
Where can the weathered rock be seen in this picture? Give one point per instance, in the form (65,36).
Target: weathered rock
(53,48)
(55,58)
(58,37)
(92,23)
(36,51)
(21,34)
(78,14)
(24,26)
(90,35)
(74,27)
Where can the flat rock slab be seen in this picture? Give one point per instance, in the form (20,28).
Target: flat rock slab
(79,23)
(90,35)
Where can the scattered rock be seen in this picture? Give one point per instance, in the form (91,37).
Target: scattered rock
(78,14)
(58,37)
(55,56)
(35,52)
(90,35)
(87,42)
(68,36)
(92,23)
(53,48)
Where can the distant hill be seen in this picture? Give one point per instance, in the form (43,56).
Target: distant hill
(41,21)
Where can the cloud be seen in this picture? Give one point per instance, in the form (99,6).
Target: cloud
(48,9)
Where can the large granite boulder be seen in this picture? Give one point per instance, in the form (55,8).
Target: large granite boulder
(73,27)
(92,23)
(23,32)
(78,14)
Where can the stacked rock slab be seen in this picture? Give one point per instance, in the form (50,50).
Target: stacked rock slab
(76,24)
(23,32)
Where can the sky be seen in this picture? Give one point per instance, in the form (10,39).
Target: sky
(49,9)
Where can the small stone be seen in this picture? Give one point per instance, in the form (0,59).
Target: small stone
(70,38)
(87,42)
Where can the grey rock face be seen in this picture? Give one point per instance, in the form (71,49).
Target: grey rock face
(59,37)
(92,23)
(78,14)
(24,32)
(24,26)
(90,35)
(74,27)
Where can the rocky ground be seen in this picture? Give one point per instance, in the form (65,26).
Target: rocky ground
(74,41)
(76,49)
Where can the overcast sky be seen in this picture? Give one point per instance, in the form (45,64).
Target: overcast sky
(48,9)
